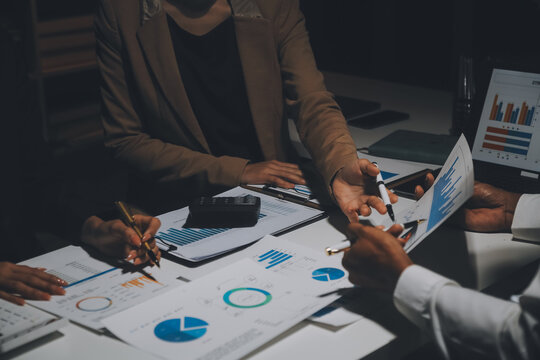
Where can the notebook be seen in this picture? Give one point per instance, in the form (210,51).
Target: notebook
(506,147)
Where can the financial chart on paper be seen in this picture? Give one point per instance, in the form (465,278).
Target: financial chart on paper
(452,188)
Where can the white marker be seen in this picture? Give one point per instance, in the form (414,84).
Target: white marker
(384,194)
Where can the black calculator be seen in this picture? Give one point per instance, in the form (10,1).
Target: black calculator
(224,212)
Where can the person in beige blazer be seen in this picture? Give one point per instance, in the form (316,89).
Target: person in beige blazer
(150,124)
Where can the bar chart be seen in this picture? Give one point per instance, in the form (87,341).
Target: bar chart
(508,131)
(515,113)
(445,194)
(186,236)
(274,257)
(511,141)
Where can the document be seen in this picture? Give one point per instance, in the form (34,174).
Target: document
(22,324)
(198,244)
(301,265)
(224,315)
(301,194)
(452,188)
(392,169)
(97,289)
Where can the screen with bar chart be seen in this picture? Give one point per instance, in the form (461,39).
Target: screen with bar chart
(508,132)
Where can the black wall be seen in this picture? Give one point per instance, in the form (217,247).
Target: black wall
(418,41)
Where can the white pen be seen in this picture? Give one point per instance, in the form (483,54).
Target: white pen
(384,194)
(344,245)
(334,249)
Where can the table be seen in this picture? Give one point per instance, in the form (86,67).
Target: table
(476,260)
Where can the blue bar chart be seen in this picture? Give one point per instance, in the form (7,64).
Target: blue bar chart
(444,196)
(274,258)
(186,236)
(452,188)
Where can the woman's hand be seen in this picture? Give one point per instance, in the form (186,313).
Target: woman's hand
(19,282)
(116,239)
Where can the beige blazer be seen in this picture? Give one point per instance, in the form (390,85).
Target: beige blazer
(150,125)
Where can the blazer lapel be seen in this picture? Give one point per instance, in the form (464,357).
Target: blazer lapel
(155,40)
(256,48)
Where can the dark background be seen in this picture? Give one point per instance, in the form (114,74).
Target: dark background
(56,169)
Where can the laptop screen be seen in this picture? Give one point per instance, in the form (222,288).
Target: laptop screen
(509,129)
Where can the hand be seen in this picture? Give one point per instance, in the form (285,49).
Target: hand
(19,282)
(489,210)
(428,182)
(354,186)
(114,238)
(376,259)
(273,172)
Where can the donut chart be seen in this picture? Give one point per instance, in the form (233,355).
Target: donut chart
(94,303)
(247,297)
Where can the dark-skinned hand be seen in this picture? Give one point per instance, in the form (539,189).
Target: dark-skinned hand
(376,259)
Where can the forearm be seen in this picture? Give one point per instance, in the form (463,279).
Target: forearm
(90,230)
(164,162)
(320,123)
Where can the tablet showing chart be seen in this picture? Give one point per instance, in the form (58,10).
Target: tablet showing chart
(509,130)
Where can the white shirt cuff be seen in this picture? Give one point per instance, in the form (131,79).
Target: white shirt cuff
(526,222)
(415,290)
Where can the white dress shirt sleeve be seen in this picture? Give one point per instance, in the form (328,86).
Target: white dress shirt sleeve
(526,223)
(466,321)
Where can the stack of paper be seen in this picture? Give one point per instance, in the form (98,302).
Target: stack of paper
(22,324)
(198,244)
(232,311)
(97,289)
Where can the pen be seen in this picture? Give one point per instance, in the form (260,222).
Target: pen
(384,194)
(129,220)
(344,245)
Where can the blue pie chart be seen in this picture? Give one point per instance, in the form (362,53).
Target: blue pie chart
(172,331)
(327,274)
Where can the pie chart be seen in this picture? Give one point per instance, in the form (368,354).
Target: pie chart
(172,330)
(327,274)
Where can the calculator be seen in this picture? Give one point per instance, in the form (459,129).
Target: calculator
(224,212)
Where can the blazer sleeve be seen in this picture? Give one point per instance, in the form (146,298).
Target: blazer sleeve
(124,128)
(319,121)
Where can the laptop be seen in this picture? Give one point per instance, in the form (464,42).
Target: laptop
(506,146)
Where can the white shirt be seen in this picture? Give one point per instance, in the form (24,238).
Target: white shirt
(467,321)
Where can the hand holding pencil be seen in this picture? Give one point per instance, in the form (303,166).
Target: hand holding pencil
(130,221)
(116,239)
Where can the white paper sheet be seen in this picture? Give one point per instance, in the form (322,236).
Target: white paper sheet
(22,324)
(301,265)
(392,169)
(200,244)
(335,315)
(452,188)
(224,315)
(97,289)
